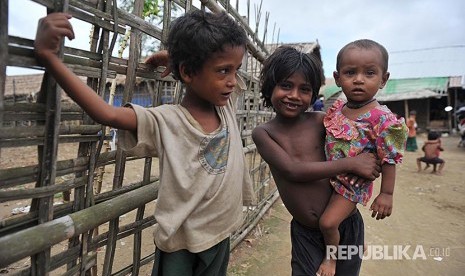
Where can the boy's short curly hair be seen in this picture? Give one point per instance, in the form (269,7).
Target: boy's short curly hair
(284,62)
(194,36)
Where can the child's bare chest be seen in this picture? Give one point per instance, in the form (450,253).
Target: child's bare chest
(304,143)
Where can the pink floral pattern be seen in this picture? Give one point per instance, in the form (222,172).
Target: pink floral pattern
(377,131)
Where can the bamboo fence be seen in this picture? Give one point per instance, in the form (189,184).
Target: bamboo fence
(66,238)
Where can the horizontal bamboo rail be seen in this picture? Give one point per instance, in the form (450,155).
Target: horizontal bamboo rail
(35,239)
(19,223)
(22,132)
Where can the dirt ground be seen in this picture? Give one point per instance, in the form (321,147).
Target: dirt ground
(428,216)
(428,224)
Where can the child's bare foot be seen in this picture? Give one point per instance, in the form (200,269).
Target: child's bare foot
(437,173)
(327,268)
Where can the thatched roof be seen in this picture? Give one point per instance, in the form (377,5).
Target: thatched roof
(23,84)
(22,87)
(401,89)
(30,84)
(306,47)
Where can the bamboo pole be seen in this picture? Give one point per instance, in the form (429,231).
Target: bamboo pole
(18,223)
(41,191)
(274,196)
(3,55)
(259,51)
(23,175)
(50,94)
(133,59)
(107,148)
(39,131)
(35,239)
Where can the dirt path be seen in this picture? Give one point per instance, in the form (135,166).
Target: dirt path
(429,218)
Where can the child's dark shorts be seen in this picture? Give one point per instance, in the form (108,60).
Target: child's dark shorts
(211,262)
(434,161)
(308,247)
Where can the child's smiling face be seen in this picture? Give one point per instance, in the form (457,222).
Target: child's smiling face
(292,96)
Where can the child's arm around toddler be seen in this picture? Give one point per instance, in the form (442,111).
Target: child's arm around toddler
(50,32)
(363,165)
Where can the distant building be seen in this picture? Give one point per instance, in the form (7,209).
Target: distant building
(24,88)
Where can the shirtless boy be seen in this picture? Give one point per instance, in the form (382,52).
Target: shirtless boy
(432,148)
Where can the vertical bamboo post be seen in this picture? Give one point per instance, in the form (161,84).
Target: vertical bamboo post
(3,55)
(133,60)
(40,262)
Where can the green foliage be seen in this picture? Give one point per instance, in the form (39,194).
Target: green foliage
(151,8)
(151,13)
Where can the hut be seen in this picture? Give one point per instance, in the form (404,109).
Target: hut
(24,89)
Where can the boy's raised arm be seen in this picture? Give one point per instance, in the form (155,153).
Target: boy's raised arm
(364,165)
(50,32)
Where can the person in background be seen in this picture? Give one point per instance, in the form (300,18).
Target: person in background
(432,148)
(412,132)
(319,105)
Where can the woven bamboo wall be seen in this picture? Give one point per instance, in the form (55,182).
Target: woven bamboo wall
(84,211)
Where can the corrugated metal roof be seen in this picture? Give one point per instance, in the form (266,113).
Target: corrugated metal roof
(329,89)
(432,62)
(402,89)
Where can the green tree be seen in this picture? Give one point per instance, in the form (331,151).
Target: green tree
(151,13)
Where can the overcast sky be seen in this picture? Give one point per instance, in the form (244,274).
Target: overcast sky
(399,25)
